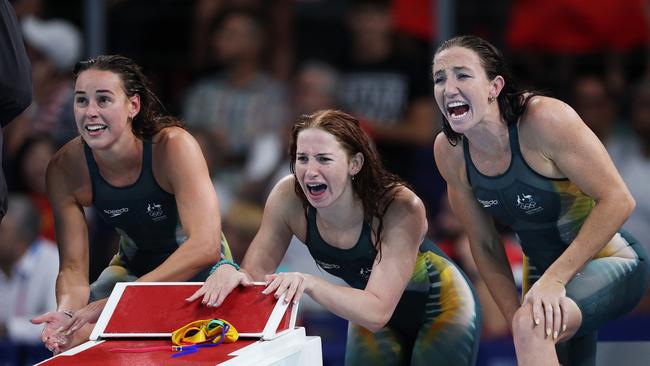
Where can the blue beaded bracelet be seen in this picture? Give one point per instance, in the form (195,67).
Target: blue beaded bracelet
(224,261)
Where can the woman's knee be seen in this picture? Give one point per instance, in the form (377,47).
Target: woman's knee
(523,324)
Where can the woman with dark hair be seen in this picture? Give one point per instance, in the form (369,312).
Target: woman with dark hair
(407,303)
(528,161)
(145,176)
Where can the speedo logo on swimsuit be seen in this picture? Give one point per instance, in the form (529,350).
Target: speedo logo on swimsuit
(325,265)
(116,213)
(488,203)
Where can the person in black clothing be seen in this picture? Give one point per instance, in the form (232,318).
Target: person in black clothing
(15,81)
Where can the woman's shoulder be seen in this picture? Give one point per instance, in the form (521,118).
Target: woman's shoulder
(546,116)
(449,158)
(67,173)
(69,156)
(284,191)
(405,202)
(283,201)
(171,134)
(173,142)
(544,109)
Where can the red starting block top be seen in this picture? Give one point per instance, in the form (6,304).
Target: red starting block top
(140,309)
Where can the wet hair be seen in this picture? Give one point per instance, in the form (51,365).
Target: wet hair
(150,120)
(373,184)
(512,99)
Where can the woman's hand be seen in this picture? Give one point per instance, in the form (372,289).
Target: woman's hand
(53,320)
(89,314)
(220,283)
(291,284)
(547,297)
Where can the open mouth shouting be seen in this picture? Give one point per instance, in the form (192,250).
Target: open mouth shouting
(457,110)
(316,190)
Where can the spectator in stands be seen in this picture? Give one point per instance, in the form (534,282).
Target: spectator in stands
(387,86)
(29,265)
(243,107)
(30,164)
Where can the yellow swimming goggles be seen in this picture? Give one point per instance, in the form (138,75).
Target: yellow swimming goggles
(189,338)
(205,331)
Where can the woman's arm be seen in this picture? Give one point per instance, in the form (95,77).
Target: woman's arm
(582,158)
(64,189)
(485,242)
(405,226)
(180,168)
(72,287)
(282,211)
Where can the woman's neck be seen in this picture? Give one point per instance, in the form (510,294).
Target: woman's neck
(342,215)
(489,136)
(120,163)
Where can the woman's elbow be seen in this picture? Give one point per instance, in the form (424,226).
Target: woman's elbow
(210,251)
(378,321)
(625,203)
(629,204)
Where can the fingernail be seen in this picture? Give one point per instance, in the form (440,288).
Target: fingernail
(59,330)
(295,302)
(536,321)
(555,335)
(564,328)
(548,332)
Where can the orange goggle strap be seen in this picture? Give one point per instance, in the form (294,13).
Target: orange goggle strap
(205,331)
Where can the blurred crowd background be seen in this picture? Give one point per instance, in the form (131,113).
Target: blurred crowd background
(238,72)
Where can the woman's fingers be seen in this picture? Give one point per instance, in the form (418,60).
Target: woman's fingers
(291,285)
(538,312)
(548,318)
(198,293)
(565,315)
(295,291)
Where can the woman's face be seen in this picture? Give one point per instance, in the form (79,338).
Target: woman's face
(461,87)
(323,167)
(102,109)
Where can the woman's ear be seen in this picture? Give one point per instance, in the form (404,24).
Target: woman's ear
(356,163)
(134,105)
(496,86)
